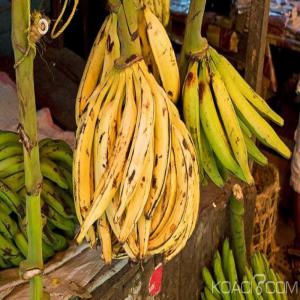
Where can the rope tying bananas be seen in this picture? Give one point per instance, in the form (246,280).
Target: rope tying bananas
(136,180)
(221,110)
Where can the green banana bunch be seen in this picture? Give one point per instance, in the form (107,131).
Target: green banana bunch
(57,198)
(259,282)
(232,277)
(222,114)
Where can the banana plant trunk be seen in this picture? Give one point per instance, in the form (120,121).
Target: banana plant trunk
(24,52)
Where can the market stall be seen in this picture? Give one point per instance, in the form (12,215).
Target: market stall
(158,152)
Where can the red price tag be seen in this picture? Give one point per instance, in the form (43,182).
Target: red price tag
(155,281)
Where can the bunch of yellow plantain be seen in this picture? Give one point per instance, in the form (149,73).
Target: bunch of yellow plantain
(136,180)
(223,113)
(157,51)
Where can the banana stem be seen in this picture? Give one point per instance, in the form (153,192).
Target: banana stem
(193,42)
(24,52)
(128,32)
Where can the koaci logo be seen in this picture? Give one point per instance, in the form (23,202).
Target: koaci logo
(259,285)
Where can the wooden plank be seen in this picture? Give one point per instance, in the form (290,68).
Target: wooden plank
(259,15)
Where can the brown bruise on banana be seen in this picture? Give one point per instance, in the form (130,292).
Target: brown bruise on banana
(201,89)
(190,79)
(109,44)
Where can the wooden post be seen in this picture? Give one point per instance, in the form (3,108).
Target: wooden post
(258,26)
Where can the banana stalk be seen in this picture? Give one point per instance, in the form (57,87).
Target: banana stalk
(130,48)
(24,50)
(193,43)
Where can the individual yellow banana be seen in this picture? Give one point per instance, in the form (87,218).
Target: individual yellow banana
(136,204)
(109,183)
(158,10)
(230,122)
(213,128)
(162,144)
(112,48)
(105,237)
(101,154)
(165,12)
(178,246)
(140,143)
(130,245)
(149,4)
(161,207)
(101,139)
(193,170)
(264,132)
(170,197)
(175,225)
(146,48)
(226,69)
(92,69)
(164,55)
(144,227)
(193,198)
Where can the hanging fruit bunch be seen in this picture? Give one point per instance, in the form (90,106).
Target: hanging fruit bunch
(157,52)
(136,181)
(232,277)
(221,110)
(57,198)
